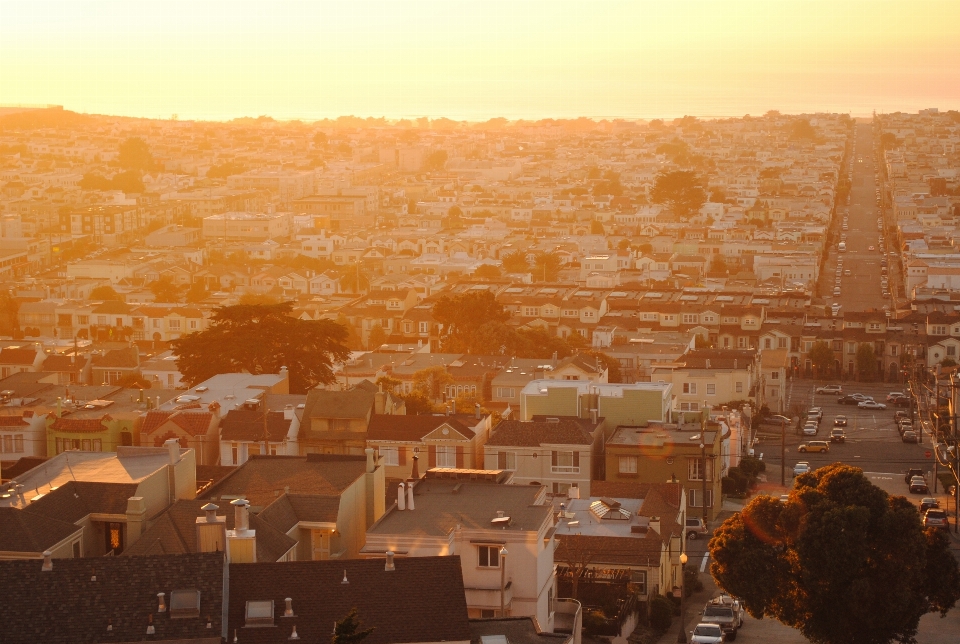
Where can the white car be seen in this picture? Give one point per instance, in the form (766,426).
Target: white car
(830,389)
(870,404)
(810,428)
(706,634)
(801,468)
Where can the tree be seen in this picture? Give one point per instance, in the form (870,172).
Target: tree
(9,314)
(128,181)
(888,140)
(487,271)
(224,170)
(347,630)
(196,293)
(435,161)
(454,218)
(463,314)
(432,381)
(866,362)
(261,339)
(577,552)
(801,129)
(105,293)
(681,191)
(515,262)
(596,228)
(376,338)
(612,365)
(135,155)
(718,264)
(418,403)
(547,266)
(164,290)
(821,357)
(840,560)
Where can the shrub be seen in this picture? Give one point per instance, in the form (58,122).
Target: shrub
(661,613)
(691,582)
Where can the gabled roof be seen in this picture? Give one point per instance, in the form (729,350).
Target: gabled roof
(118,359)
(290,509)
(29,532)
(356,402)
(248,425)
(67,424)
(421,600)
(63,364)
(76,499)
(515,433)
(16,356)
(386,427)
(65,604)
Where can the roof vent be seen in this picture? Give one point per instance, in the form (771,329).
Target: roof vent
(47,561)
(500,521)
(345,580)
(161,598)
(150,629)
(389,565)
(288,611)
(553,420)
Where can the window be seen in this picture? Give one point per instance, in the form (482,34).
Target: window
(550,607)
(739,387)
(781,343)
(628,465)
(184,603)
(689,318)
(695,497)
(711,389)
(235,453)
(259,613)
(389,456)
(690,388)
(83,320)
(561,489)
(565,462)
(639,577)
(851,348)
(7,444)
(446,457)
(741,342)
(488,556)
(775,375)
(506,461)
(506,392)
(767,343)
(951,351)
(695,469)
(689,406)
(193,325)
(424,327)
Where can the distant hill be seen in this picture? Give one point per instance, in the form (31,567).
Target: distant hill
(35,119)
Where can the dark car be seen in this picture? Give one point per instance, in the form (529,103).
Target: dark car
(913,471)
(927,503)
(840,421)
(909,436)
(918,485)
(849,400)
(900,401)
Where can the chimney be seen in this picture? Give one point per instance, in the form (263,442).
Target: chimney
(593,416)
(573,492)
(47,561)
(389,565)
(401,497)
(173,447)
(734,363)
(410,505)
(288,611)
(211,530)
(371,461)
(655,524)
(161,598)
(708,363)
(476,411)
(241,541)
(415,473)
(288,412)
(136,515)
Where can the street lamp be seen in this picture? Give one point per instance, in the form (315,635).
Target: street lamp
(682,636)
(503,579)
(783,449)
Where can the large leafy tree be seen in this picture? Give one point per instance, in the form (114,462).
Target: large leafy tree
(515,262)
(262,338)
(135,154)
(547,266)
(866,362)
(463,314)
(681,191)
(821,357)
(105,293)
(840,560)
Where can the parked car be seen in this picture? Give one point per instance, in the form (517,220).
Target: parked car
(726,600)
(810,428)
(909,436)
(898,415)
(840,421)
(724,617)
(894,394)
(815,412)
(837,435)
(927,503)
(918,485)
(853,399)
(829,389)
(901,401)
(936,518)
(814,446)
(695,528)
(871,404)
(801,468)
(706,634)
(913,471)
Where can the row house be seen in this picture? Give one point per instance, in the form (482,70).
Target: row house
(165,324)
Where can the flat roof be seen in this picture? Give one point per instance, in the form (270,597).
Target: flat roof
(615,390)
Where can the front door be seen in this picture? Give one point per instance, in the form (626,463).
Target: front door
(321,545)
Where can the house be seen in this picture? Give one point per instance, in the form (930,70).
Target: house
(555,452)
(324,502)
(774,364)
(17,359)
(658,453)
(403,599)
(162,371)
(114,599)
(578,367)
(193,427)
(619,404)
(108,497)
(472,515)
(70,369)
(249,430)
(336,422)
(22,434)
(703,378)
(114,366)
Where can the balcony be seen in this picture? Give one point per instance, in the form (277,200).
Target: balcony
(568,618)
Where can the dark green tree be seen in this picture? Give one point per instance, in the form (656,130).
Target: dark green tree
(840,560)
(262,339)
(802,130)
(463,314)
(128,181)
(164,290)
(9,314)
(821,357)
(196,293)
(681,191)
(515,262)
(718,264)
(866,362)
(888,140)
(105,293)
(376,338)
(435,161)
(546,266)
(487,271)
(135,155)
(347,630)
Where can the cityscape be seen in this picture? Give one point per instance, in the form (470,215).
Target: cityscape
(408,365)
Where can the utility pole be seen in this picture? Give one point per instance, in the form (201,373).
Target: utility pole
(783,451)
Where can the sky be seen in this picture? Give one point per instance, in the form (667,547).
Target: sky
(474,60)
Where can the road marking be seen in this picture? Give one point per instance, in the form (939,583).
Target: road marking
(703,564)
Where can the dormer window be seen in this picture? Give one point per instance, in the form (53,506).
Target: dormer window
(258,613)
(184,604)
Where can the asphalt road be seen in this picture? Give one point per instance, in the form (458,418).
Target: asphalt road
(861,289)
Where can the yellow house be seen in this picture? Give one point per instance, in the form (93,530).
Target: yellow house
(705,378)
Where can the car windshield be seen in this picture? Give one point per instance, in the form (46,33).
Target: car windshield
(716,611)
(709,631)
(936,514)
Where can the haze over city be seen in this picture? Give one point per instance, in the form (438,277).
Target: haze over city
(478,59)
(480,322)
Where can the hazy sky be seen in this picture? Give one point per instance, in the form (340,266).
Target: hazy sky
(468,59)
